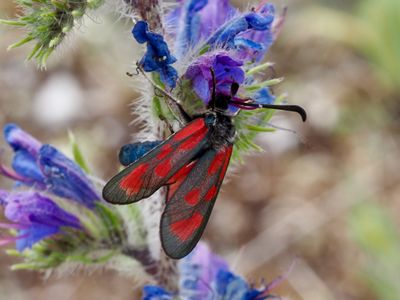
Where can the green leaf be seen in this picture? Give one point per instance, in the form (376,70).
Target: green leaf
(259,128)
(267,83)
(77,153)
(204,50)
(259,68)
(20,43)
(12,22)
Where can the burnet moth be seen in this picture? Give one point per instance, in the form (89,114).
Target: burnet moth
(191,163)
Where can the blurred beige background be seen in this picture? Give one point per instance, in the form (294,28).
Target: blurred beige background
(302,198)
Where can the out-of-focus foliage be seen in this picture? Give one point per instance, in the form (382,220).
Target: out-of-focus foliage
(372,28)
(377,235)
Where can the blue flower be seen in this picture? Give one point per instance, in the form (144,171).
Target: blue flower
(221,25)
(252,45)
(35,217)
(196,20)
(65,178)
(45,168)
(157,57)
(26,149)
(206,276)
(264,96)
(239,33)
(189,31)
(155,293)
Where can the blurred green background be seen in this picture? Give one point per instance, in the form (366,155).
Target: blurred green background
(327,195)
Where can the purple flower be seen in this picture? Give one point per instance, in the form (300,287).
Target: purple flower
(35,217)
(157,57)
(221,25)
(65,178)
(206,276)
(214,15)
(195,20)
(26,150)
(45,168)
(200,269)
(239,31)
(227,71)
(253,44)
(189,31)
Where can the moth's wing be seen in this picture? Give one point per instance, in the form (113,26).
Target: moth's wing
(177,179)
(153,170)
(189,207)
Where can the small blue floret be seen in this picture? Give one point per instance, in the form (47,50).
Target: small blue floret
(157,57)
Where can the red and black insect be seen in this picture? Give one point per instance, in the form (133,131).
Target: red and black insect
(192,164)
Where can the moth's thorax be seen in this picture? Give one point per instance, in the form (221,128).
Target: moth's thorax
(222,130)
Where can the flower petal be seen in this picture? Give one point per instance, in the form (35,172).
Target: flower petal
(26,166)
(65,178)
(3,197)
(199,270)
(189,29)
(151,292)
(227,71)
(30,236)
(214,15)
(32,208)
(38,215)
(19,139)
(230,286)
(157,57)
(251,30)
(264,96)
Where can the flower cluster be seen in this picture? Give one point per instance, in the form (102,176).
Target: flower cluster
(43,168)
(213,35)
(203,276)
(54,210)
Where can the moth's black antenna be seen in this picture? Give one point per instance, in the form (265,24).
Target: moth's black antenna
(137,72)
(214,87)
(294,108)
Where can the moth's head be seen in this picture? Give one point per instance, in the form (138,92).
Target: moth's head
(210,118)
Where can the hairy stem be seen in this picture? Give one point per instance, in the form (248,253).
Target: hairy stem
(149,10)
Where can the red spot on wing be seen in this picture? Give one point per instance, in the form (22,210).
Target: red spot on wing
(185,228)
(190,143)
(181,174)
(178,178)
(193,197)
(216,163)
(189,129)
(164,151)
(212,192)
(163,168)
(132,183)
